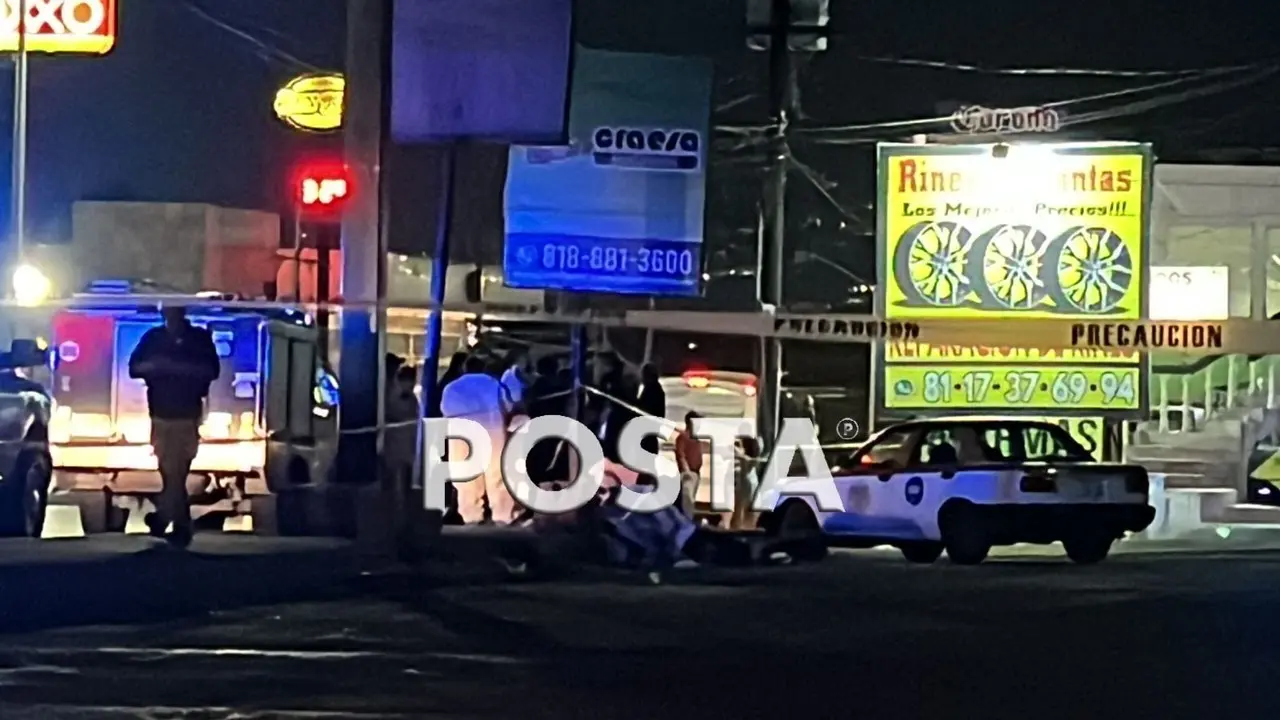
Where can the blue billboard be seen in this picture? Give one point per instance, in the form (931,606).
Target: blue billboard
(620,209)
(480,69)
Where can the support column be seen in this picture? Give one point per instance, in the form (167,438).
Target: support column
(364,319)
(1260,259)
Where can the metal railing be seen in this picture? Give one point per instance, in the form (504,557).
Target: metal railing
(1239,389)
(1184,398)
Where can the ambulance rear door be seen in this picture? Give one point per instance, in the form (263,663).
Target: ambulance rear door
(83,344)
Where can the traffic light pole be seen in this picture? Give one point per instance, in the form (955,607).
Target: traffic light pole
(322,292)
(771,265)
(430,379)
(297,253)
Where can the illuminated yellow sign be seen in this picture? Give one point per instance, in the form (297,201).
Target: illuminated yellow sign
(312,102)
(1028,231)
(60,26)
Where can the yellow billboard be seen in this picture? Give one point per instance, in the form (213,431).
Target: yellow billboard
(1012,231)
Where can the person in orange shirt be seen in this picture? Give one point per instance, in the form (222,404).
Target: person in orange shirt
(689,462)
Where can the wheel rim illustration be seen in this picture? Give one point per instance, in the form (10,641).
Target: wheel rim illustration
(1092,270)
(1010,261)
(930,264)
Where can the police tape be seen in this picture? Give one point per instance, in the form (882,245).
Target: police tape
(671,427)
(1253,337)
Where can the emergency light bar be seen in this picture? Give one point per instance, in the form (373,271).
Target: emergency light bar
(128,287)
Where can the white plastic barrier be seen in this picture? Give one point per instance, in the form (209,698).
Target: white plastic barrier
(1177,512)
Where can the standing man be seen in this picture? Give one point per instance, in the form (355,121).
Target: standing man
(178,362)
(652,399)
(402,414)
(614,383)
(689,462)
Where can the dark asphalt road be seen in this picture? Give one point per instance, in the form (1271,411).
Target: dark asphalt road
(306,635)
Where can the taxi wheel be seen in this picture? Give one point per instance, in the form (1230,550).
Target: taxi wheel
(966,540)
(924,553)
(1088,549)
(799,533)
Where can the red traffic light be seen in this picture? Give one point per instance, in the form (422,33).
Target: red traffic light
(322,188)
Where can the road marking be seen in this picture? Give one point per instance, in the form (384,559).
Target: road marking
(42,712)
(284,654)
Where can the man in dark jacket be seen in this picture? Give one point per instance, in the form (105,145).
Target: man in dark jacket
(614,416)
(653,401)
(178,362)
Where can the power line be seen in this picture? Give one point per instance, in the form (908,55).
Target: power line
(1129,109)
(1053,71)
(265,50)
(824,187)
(1142,106)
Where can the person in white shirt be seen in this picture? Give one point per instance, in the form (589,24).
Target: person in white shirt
(479,396)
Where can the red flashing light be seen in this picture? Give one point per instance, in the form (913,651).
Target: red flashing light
(322,189)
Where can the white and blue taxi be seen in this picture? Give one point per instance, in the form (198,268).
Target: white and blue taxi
(964,485)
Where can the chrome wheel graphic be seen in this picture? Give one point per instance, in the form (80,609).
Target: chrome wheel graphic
(931,264)
(1092,270)
(1010,260)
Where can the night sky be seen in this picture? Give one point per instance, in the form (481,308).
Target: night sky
(181,110)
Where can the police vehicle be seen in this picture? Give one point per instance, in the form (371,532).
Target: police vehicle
(25,470)
(963,485)
(270,422)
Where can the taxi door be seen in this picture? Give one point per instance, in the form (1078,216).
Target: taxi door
(914,495)
(864,483)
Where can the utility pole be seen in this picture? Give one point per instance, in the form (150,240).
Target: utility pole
(364,317)
(771,258)
(21,85)
(786,18)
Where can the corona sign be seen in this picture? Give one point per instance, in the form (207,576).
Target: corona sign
(60,26)
(312,102)
(1001,232)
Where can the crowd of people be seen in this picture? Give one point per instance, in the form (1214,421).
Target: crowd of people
(499,392)
(178,363)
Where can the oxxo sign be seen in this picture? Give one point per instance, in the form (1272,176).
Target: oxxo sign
(60,26)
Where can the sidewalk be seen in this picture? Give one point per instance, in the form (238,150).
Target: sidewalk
(114,579)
